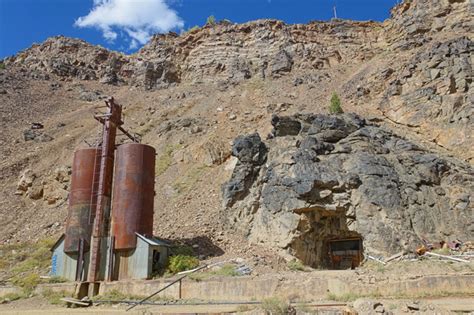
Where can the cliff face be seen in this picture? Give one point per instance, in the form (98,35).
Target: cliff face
(415,68)
(409,80)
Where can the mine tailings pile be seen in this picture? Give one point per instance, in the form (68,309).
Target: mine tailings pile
(109,231)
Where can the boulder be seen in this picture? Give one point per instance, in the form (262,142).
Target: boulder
(26,180)
(251,153)
(281,63)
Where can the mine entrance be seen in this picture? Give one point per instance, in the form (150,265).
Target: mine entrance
(345,253)
(155,269)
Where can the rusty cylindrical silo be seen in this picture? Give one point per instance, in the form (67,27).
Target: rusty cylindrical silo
(133,194)
(85,170)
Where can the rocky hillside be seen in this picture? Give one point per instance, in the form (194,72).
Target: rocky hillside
(409,80)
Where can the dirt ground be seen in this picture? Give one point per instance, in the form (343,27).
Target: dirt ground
(427,301)
(455,305)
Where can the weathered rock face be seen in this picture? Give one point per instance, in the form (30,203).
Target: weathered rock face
(424,78)
(338,176)
(225,52)
(69,58)
(414,21)
(435,90)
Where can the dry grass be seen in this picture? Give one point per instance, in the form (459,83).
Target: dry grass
(296,265)
(227,270)
(54,297)
(189,179)
(275,306)
(164,161)
(10,297)
(25,262)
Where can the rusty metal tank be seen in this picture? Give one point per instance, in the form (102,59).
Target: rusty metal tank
(133,194)
(85,172)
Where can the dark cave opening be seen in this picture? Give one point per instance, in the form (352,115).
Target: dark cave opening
(325,241)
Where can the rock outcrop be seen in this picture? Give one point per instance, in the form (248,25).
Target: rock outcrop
(415,22)
(337,176)
(53,188)
(434,90)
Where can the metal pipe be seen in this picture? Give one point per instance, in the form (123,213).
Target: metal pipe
(166,287)
(104,191)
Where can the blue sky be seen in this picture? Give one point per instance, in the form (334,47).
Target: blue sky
(126,25)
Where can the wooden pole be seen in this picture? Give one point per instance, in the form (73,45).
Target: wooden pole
(166,287)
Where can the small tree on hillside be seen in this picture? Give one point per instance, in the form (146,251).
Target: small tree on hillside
(335,105)
(211,20)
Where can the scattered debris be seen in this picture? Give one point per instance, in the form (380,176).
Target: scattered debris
(243,270)
(83,302)
(37,126)
(414,306)
(452,250)
(393,257)
(446,257)
(376,259)
(35,135)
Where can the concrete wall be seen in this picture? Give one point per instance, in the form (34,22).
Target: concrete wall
(310,288)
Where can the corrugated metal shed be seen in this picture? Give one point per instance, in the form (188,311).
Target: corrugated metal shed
(141,262)
(64,264)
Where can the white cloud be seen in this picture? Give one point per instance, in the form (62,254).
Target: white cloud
(138,18)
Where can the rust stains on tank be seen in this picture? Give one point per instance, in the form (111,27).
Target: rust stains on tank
(133,194)
(81,211)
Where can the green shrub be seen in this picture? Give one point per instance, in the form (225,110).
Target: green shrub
(54,297)
(227,270)
(57,279)
(27,282)
(182,250)
(10,297)
(2,66)
(24,262)
(188,180)
(165,160)
(296,265)
(349,297)
(335,104)
(116,295)
(275,306)
(180,263)
(211,20)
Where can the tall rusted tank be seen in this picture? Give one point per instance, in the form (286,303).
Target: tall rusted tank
(85,172)
(133,194)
